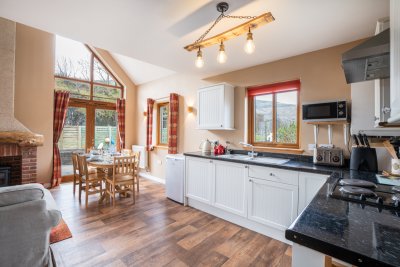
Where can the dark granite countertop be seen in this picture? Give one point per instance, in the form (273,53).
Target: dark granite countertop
(363,236)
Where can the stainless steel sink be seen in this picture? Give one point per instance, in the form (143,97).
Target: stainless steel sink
(268,160)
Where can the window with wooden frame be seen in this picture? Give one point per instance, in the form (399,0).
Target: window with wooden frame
(162,124)
(273,112)
(92,118)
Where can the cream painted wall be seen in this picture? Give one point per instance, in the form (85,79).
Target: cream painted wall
(321,78)
(34,85)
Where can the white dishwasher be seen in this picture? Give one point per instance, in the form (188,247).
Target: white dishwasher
(175,177)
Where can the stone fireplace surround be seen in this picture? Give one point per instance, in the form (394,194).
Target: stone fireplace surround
(22,161)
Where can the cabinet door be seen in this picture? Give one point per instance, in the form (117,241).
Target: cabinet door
(200,178)
(230,187)
(272,203)
(211,107)
(309,185)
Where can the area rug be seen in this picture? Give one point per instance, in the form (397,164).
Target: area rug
(60,232)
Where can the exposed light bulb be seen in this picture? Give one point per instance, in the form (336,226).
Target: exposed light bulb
(249,46)
(221,58)
(199,60)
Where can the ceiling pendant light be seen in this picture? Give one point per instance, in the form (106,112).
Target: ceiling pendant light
(249,46)
(199,60)
(221,58)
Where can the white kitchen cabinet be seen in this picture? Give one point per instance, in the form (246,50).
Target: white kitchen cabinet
(199,179)
(272,203)
(215,110)
(230,187)
(309,185)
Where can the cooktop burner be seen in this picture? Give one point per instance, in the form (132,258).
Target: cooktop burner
(367,193)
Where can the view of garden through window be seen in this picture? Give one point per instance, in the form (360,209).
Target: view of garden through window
(285,118)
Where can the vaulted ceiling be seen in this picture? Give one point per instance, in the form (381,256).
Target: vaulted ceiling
(155,31)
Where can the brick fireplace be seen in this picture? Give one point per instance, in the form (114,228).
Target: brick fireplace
(22,162)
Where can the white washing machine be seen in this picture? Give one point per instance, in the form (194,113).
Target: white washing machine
(175,177)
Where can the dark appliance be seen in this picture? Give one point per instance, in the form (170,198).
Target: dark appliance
(363,159)
(4,176)
(367,193)
(369,60)
(326,111)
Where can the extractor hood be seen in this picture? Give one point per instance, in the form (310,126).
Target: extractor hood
(369,60)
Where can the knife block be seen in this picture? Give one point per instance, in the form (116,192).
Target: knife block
(363,159)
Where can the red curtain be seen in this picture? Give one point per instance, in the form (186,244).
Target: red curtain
(121,121)
(173,121)
(149,137)
(61,99)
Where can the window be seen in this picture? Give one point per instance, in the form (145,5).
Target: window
(79,71)
(162,124)
(274,115)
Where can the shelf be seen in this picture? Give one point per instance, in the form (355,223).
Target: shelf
(327,122)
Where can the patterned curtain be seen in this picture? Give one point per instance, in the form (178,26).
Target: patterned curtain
(121,121)
(173,121)
(149,138)
(61,99)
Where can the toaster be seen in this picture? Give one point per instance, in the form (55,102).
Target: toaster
(328,156)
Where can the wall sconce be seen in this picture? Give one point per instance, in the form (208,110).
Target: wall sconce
(145,113)
(190,109)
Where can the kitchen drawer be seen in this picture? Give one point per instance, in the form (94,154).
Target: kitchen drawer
(273,174)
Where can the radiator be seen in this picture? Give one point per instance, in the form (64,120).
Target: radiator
(143,155)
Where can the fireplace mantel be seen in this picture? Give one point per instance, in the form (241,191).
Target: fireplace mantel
(22,139)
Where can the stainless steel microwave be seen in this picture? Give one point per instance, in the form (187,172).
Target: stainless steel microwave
(325,111)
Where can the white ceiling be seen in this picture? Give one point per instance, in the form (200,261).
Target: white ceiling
(155,31)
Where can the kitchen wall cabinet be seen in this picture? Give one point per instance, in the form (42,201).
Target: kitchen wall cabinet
(272,203)
(309,185)
(199,179)
(215,110)
(230,187)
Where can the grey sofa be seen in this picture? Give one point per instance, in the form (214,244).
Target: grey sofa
(27,214)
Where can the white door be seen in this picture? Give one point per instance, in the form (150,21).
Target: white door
(230,187)
(211,107)
(309,185)
(199,177)
(272,203)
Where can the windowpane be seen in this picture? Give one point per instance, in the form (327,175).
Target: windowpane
(72,59)
(263,117)
(286,117)
(77,89)
(106,94)
(163,134)
(106,122)
(101,75)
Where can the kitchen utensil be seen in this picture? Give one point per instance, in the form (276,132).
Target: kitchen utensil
(363,159)
(390,149)
(356,140)
(366,142)
(205,146)
(361,139)
(396,166)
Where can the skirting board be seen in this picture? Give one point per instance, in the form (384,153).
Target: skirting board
(151,177)
(239,220)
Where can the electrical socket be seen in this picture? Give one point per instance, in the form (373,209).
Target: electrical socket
(312,146)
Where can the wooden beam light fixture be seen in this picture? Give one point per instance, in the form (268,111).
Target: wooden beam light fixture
(252,23)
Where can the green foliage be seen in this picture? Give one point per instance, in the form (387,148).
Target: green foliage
(287,132)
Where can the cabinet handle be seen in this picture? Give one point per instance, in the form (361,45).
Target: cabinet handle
(211,161)
(246,167)
(250,180)
(222,125)
(271,174)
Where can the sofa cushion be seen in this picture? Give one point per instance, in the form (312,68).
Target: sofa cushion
(11,195)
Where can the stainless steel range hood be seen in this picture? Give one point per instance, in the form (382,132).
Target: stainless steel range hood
(369,60)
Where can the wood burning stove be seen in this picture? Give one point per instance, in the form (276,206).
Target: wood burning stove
(4,176)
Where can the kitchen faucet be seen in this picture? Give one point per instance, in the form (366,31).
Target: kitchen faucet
(252,154)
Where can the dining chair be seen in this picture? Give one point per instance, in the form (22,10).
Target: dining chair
(75,167)
(136,173)
(122,180)
(91,183)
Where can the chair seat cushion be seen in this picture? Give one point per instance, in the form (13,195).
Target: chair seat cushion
(123,177)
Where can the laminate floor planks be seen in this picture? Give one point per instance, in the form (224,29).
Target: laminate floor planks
(157,232)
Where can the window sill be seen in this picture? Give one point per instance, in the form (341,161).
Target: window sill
(161,147)
(276,149)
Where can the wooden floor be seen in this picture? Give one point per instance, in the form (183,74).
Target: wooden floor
(157,232)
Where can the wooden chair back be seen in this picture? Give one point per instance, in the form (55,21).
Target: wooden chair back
(75,164)
(82,165)
(124,165)
(137,159)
